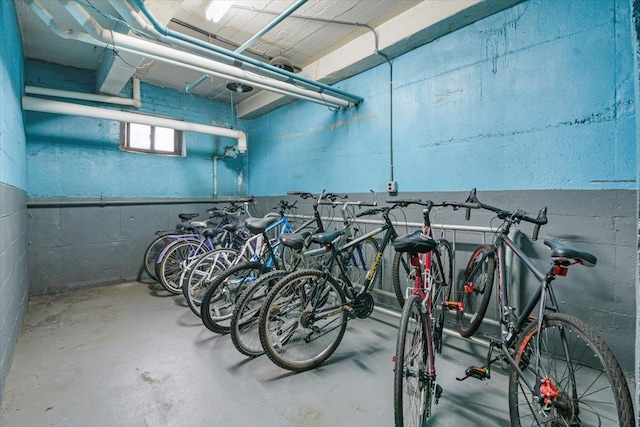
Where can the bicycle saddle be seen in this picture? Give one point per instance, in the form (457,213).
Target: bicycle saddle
(415,242)
(559,250)
(187,216)
(258,225)
(326,237)
(294,240)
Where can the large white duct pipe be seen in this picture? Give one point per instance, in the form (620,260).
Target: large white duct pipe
(100,37)
(66,108)
(132,102)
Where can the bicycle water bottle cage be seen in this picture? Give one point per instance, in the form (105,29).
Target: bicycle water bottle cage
(294,240)
(327,237)
(187,216)
(415,242)
(258,225)
(567,255)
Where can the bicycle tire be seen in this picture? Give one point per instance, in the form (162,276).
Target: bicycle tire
(286,332)
(401,271)
(202,274)
(442,280)
(591,388)
(174,260)
(411,396)
(475,291)
(358,259)
(246,314)
(219,300)
(151,254)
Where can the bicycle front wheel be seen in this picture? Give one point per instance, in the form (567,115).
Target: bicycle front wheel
(576,377)
(412,386)
(475,290)
(302,320)
(246,315)
(177,257)
(202,273)
(220,298)
(358,260)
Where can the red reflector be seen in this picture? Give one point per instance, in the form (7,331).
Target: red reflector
(393,359)
(415,261)
(560,271)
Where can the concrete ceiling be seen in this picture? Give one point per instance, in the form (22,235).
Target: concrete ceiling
(325,40)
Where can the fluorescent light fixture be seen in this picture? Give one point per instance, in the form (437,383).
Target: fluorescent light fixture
(217,8)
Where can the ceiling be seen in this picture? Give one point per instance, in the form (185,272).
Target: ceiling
(325,40)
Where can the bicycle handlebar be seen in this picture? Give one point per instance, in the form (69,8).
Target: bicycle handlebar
(514,216)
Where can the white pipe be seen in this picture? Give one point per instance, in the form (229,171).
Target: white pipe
(100,37)
(58,107)
(132,102)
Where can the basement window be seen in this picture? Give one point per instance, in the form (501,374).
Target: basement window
(151,139)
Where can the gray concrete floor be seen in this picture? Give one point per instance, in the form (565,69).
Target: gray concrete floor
(133,355)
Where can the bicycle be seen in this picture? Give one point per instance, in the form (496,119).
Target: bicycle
(177,257)
(218,302)
(244,319)
(304,316)
(561,372)
(422,320)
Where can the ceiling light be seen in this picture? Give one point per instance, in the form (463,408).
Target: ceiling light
(239,87)
(217,8)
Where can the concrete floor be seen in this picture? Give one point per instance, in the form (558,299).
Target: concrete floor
(132,355)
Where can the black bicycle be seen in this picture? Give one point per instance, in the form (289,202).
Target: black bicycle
(561,371)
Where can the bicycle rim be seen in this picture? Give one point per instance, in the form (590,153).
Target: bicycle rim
(578,377)
(296,335)
(412,396)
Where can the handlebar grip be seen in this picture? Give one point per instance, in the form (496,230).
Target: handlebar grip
(467,214)
(542,219)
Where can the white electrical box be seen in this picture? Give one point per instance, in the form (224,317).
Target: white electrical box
(392,187)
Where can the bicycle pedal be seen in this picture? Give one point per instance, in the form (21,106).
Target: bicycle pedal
(454,305)
(477,372)
(350,311)
(438,393)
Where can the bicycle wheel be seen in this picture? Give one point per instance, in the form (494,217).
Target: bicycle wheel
(402,273)
(244,321)
(219,300)
(302,321)
(412,387)
(358,259)
(152,252)
(175,259)
(577,378)
(202,273)
(442,279)
(475,290)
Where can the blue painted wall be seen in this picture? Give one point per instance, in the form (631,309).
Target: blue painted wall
(539,96)
(70,156)
(14,279)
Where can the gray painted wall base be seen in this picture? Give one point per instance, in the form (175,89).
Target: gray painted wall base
(83,246)
(14,279)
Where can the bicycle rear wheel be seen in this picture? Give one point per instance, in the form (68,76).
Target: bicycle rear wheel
(302,321)
(475,290)
(412,387)
(246,315)
(578,379)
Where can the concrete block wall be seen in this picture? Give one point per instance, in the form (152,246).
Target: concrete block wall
(14,279)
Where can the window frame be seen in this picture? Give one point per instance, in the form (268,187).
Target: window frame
(179,147)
